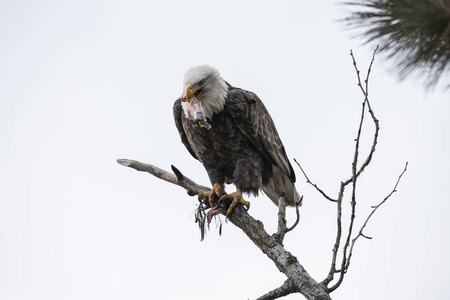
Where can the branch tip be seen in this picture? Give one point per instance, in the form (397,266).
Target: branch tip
(124,162)
(177,173)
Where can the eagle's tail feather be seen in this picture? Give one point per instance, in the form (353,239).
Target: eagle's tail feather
(278,184)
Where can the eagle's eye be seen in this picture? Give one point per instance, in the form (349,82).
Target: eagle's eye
(201,82)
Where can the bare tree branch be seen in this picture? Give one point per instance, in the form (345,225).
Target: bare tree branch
(337,242)
(299,280)
(365,92)
(313,184)
(282,291)
(355,171)
(360,233)
(190,186)
(282,223)
(282,228)
(297,212)
(349,243)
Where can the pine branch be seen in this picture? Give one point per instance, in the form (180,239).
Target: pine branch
(414,33)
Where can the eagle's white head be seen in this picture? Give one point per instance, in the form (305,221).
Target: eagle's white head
(204,83)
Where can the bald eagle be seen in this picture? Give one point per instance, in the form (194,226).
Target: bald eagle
(230,131)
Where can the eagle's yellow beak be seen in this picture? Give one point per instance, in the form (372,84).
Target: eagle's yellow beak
(190,91)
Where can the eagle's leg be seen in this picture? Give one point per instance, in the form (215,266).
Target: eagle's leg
(235,198)
(217,190)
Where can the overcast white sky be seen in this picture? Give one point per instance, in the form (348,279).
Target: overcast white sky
(83,83)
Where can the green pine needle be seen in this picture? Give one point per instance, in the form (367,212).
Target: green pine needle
(415,33)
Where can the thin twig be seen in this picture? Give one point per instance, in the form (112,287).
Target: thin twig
(282,228)
(297,212)
(356,172)
(337,242)
(354,182)
(313,184)
(360,233)
(375,120)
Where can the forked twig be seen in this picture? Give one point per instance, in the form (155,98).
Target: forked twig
(356,171)
(374,209)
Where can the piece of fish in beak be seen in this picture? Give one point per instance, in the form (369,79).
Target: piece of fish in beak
(196,109)
(195,113)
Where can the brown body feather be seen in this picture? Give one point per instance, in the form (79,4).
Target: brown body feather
(241,147)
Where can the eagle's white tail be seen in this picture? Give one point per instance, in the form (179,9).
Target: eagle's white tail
(278,184)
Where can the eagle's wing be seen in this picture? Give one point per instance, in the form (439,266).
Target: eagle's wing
(254,120)
(178,114)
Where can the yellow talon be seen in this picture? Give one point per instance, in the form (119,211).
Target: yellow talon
(235,198)
(217,190)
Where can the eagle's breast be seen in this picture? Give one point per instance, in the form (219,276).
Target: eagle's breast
(221,146)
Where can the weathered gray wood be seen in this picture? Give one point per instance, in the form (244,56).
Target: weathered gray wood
(299,281)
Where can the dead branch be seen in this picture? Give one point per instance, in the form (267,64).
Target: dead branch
(374,209)
(282,228)
(313,184)
(297,218)
(278,292)
(356,171)
(190,186)
(282,223)
(299,280)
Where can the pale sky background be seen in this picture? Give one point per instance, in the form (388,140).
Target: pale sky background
(83,83)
